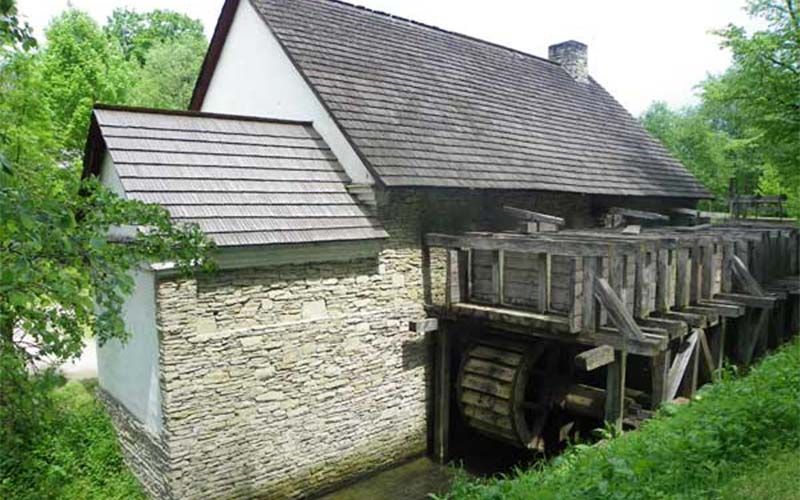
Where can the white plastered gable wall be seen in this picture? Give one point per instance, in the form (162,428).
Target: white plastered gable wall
(129,371)
(255,77)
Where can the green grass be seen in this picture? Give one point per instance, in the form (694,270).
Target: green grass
(75,456)
(776,476)
(737,439)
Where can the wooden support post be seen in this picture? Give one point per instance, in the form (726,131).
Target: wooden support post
(441,427)
(679,366)
(659,370)
(615,390)
(707,367)
(717,343)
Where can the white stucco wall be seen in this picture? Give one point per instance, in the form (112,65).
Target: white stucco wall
(255,77)
(129,371)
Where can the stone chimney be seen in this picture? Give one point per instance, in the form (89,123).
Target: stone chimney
(571,56)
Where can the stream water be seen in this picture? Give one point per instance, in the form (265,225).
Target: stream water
(414,480)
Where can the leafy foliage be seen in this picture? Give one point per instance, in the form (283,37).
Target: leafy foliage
(14,35)
(75,453)
(68,245)
(137,33)
(167,78)
(690,451)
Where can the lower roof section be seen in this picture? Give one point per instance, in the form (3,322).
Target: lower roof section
(244,181)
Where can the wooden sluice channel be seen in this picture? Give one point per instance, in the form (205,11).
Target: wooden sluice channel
(601,323)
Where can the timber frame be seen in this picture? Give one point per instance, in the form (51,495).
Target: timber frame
(680,297)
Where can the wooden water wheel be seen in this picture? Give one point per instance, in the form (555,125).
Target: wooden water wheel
(514,393)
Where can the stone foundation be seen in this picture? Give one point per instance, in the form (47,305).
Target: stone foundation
(144,453)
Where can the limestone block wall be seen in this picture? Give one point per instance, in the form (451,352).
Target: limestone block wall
(284,381)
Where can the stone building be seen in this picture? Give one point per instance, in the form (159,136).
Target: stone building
(324,140)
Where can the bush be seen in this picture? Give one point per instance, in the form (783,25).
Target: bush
(74,454)
(685,452)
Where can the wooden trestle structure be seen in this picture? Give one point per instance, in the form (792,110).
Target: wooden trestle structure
(655,308)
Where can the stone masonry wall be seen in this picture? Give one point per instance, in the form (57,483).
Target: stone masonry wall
(280,382)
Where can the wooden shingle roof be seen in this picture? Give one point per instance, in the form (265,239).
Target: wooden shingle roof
(243,181)
(426,107)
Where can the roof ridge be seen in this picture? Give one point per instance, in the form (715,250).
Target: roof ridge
(440,30)
(197,114)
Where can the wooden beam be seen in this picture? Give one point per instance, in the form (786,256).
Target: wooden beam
(743,276)
(595,358)
(679,366)
(638,214)
(674,328)
(530,216)
(520,243)
(424,325)
(616,309)
(765,302)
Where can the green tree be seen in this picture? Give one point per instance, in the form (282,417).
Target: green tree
(80,66)
(712,155)
(759,96)
(168,76)
(137,32)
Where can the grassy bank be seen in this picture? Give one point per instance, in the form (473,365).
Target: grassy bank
(738,439)
(75,455)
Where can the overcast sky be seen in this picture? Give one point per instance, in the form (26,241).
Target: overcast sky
(640,50)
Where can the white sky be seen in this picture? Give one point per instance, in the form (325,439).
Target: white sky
(640,50)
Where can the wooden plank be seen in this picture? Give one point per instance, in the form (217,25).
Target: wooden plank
(616,309)
(662,280)
(487,401)
(486,385)
(683,278)
(712,316)
(441,435)
(493,370)
(543,293)
(590,317)
(638,214)
(500,356)
(706,350)
(757,332)
(528,215)
(595,358)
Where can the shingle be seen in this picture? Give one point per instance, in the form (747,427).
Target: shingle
(243,181)
(426,107)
